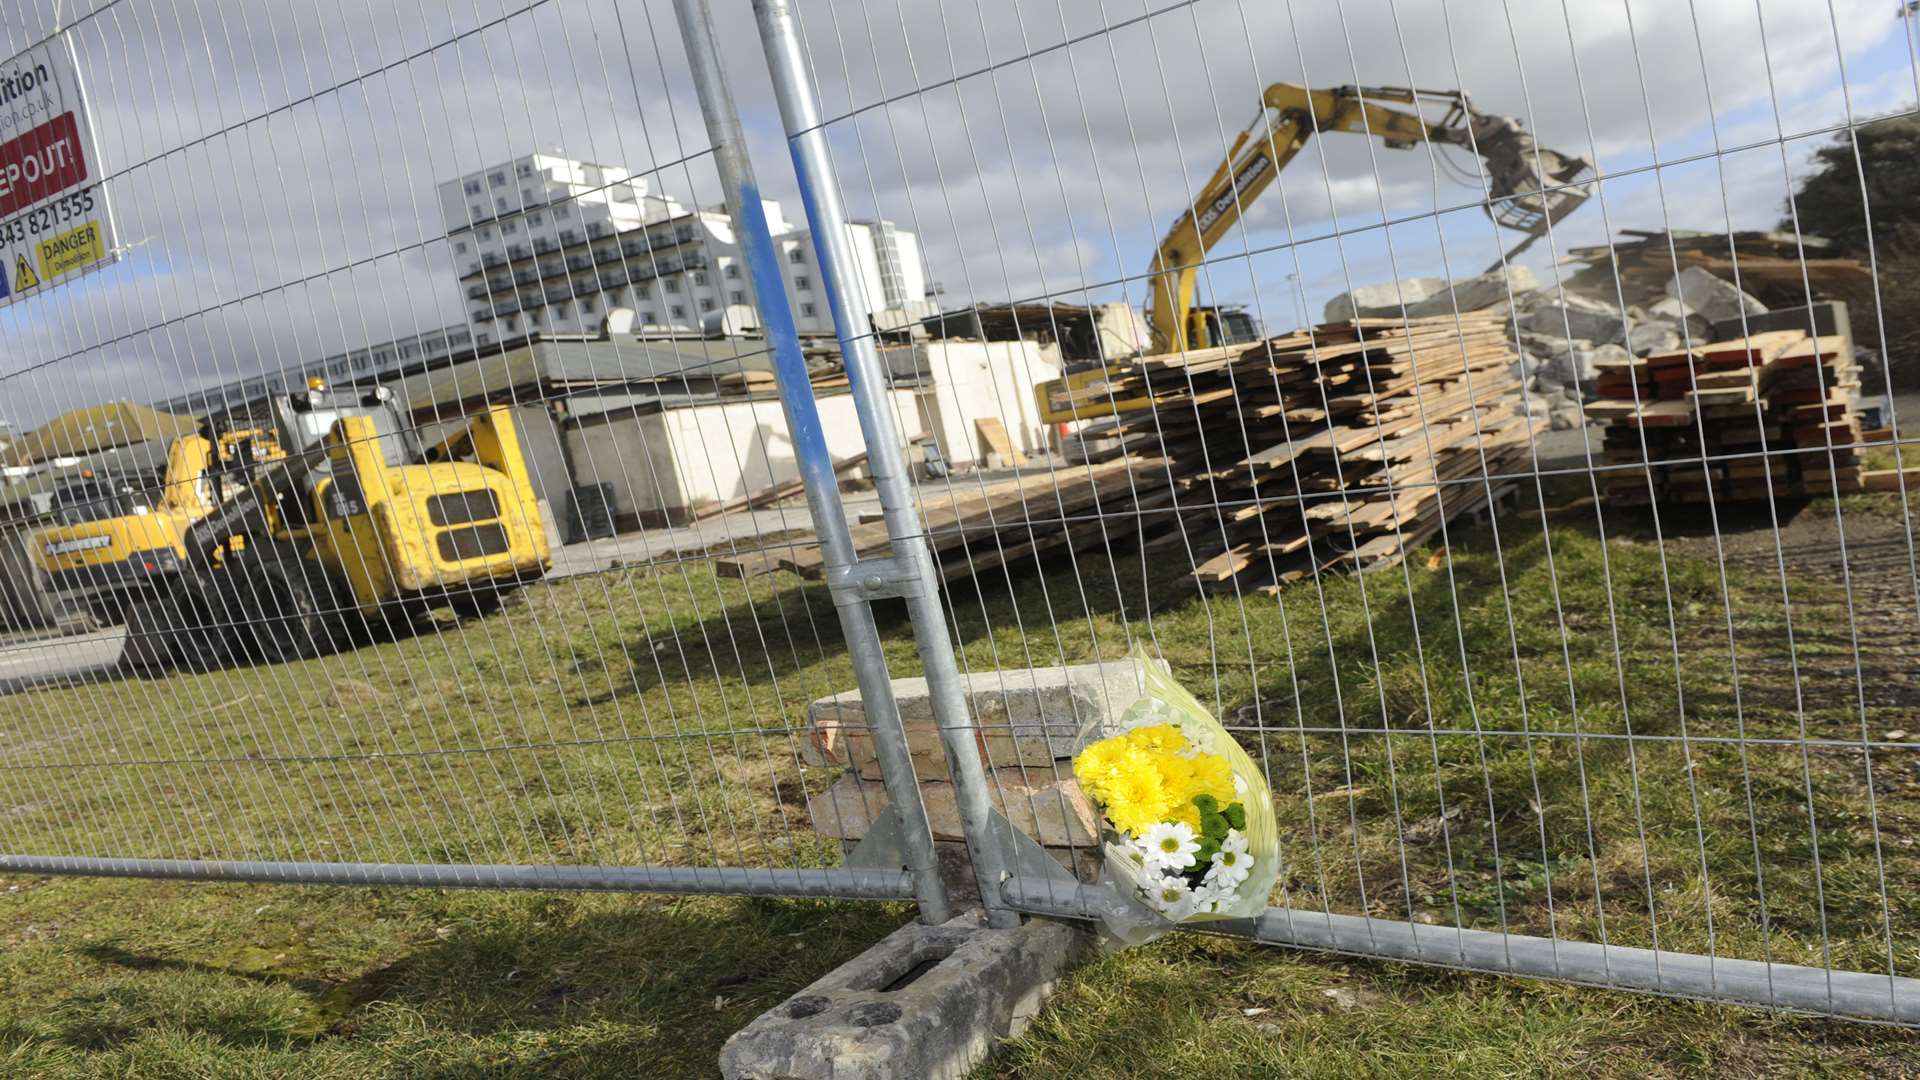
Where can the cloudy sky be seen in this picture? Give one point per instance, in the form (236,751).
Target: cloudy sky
(272,166)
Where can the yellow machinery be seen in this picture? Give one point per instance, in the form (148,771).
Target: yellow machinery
(358,527)
(116,542)
(1527,186)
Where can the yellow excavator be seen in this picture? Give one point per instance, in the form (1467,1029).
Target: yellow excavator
(357,526)
(1527,187)
(116,540)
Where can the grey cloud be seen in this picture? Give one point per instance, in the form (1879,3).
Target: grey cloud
(1043,176)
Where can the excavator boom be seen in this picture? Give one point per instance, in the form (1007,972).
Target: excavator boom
(1527,186)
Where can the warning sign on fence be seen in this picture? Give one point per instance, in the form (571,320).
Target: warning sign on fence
(54,219)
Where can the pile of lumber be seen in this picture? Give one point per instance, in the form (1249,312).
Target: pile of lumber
(1700,419)
(1771,265)
(975,526)
(1342,447)
(757,381)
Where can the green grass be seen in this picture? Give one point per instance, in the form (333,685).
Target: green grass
(645,716)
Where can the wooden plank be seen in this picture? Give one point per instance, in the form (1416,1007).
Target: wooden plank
(995,433)
(1891,479)
(1659,414)
(774,494)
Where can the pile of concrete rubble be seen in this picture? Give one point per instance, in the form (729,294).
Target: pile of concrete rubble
(1563,337)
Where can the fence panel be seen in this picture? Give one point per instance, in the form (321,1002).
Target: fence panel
(447,299)
(1501,468)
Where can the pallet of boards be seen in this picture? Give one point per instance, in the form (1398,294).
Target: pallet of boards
(1769,415)
(975,527)
(1777,267)
(1336,448)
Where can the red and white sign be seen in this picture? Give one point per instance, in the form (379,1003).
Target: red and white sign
(55,223)
(41,164)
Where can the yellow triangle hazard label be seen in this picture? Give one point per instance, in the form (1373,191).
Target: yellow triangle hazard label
(23,275)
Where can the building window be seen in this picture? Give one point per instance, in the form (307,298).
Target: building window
(536,317)
(806,310)
(498,179)
(733,271)
(642,291)
(706,305)
(586,305)
(500,203)
(484,338)
(736,297)
(473,187)
(536,217)
(513,323)
(672,285)
(797,256)
(510,228)
(460,247)
(646,318)
(526,169)
(474,213)
(803,282)
(678,312)
(480,315)
(699,277)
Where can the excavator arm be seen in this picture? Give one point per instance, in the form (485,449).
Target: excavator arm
(1527,184)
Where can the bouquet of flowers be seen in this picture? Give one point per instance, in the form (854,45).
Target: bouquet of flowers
(1190,829)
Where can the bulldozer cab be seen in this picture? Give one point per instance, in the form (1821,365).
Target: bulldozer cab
(305,419)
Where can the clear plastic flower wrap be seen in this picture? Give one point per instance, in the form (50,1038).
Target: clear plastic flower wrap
(1189,832)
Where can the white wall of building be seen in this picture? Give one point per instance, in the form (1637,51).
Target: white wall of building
(690,456)
(972,380)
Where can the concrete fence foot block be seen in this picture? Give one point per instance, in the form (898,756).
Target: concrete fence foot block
(927,1001)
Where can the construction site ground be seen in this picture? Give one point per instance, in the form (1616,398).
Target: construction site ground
(167,978)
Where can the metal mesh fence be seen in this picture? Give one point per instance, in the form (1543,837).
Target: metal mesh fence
(1545,533)
(1501,433)
(429,645)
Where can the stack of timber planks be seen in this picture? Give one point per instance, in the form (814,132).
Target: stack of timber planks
(1337,448)
(1785,392)
(1777,267)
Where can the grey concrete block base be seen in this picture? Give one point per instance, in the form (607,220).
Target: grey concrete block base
(927,1001)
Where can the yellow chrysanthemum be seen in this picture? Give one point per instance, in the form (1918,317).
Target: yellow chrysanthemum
(1157,738)
(1141,778)
(1210,774)
(1138,801)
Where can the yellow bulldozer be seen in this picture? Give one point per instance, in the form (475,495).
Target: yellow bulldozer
(117,539)
(357,527)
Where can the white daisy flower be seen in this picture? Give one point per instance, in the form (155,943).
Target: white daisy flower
(1170,845)
(1226,873)
(1172,898)
(1235,842)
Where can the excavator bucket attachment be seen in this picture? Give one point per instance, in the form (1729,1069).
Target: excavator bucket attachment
(1530,185)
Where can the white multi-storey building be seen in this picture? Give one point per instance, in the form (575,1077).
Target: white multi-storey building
(547,244)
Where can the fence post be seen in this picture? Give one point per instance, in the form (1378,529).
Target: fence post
(810,451)
(910,572)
